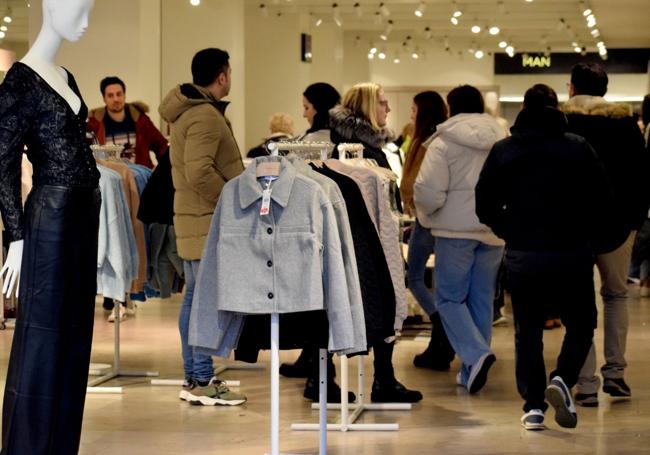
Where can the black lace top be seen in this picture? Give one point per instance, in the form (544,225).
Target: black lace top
(33,114)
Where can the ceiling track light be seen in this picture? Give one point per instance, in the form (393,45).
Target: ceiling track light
(383,9)
(419,11)
(264,10)
(386,33)
(336,15)
(357,9)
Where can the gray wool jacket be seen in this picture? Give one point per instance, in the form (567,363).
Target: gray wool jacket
(287,261)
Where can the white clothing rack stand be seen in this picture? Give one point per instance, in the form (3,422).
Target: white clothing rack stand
(348,420)
(305,148)
(116,369)
(108,152)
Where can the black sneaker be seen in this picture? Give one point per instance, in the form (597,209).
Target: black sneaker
(617,387)
(587,400)
(393,392)
(559,396)
(311,392)
(478,372)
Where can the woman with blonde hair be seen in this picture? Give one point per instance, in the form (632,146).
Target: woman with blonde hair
(361,118)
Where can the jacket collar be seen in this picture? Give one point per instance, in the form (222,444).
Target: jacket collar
(596,105)
(193,91)
(535,122)
(250,189)
(353,127)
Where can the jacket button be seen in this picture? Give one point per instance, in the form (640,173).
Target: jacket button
(269,231)
(269,264)
(270,295)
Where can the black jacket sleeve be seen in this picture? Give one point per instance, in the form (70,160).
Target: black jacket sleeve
(489,195)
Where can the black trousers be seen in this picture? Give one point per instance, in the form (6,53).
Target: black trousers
(541,284)
(48,368)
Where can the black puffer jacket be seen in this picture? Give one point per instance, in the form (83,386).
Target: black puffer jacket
(544,190)
(615,136)
(348,126)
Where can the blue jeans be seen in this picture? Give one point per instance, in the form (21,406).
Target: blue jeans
(197,366)
(421,246)
(466,273)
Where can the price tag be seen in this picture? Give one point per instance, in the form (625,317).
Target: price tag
(266,202)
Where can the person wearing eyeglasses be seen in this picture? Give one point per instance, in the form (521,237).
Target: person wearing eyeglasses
(361,118)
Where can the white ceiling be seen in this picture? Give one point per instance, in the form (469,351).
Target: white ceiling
(530,26)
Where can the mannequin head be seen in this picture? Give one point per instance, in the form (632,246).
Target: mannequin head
(67,18)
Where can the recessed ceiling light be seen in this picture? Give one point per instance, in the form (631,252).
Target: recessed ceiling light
(415,55)
(476,29)
(479,54)
(494,30)
(396,60)
(195,2)
(503,44)
(454,20)
(577,49)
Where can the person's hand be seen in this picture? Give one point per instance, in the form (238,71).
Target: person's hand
(11,269)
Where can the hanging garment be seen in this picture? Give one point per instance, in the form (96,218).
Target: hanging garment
(117,259)
(133,200)
(164,258)
(48,367)
(376,285)
(287,261)
(387,227)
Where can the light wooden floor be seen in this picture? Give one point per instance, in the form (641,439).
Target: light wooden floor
(152,420)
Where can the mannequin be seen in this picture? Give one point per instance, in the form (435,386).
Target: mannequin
(62,19)
(52,256)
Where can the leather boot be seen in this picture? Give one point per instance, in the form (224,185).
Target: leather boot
(300,368)
(386,388)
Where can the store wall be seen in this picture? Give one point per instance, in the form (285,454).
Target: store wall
(275,74)
(187,29)
(121,41)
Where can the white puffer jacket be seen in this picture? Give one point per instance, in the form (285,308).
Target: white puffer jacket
(444,187)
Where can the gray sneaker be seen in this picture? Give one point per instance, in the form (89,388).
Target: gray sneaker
(215,393)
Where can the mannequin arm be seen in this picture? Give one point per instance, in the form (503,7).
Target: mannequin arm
(11,268)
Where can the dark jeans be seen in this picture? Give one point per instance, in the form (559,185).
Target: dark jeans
(539,285)
(48,368)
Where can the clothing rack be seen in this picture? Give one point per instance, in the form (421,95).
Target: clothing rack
(106,152)
(116,370)
(344,148)
(303,150)
(348,420)
(110,152)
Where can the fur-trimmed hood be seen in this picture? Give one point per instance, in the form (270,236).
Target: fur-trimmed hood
(352,127)
(596,105)
(136,108)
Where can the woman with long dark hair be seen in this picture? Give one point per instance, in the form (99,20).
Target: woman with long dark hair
(427,112)
(317,100)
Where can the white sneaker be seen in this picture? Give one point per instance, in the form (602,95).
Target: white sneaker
(479,371)
(533,420)
(131,308)
(122,310)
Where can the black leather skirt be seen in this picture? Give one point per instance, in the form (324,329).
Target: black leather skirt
(48,368)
